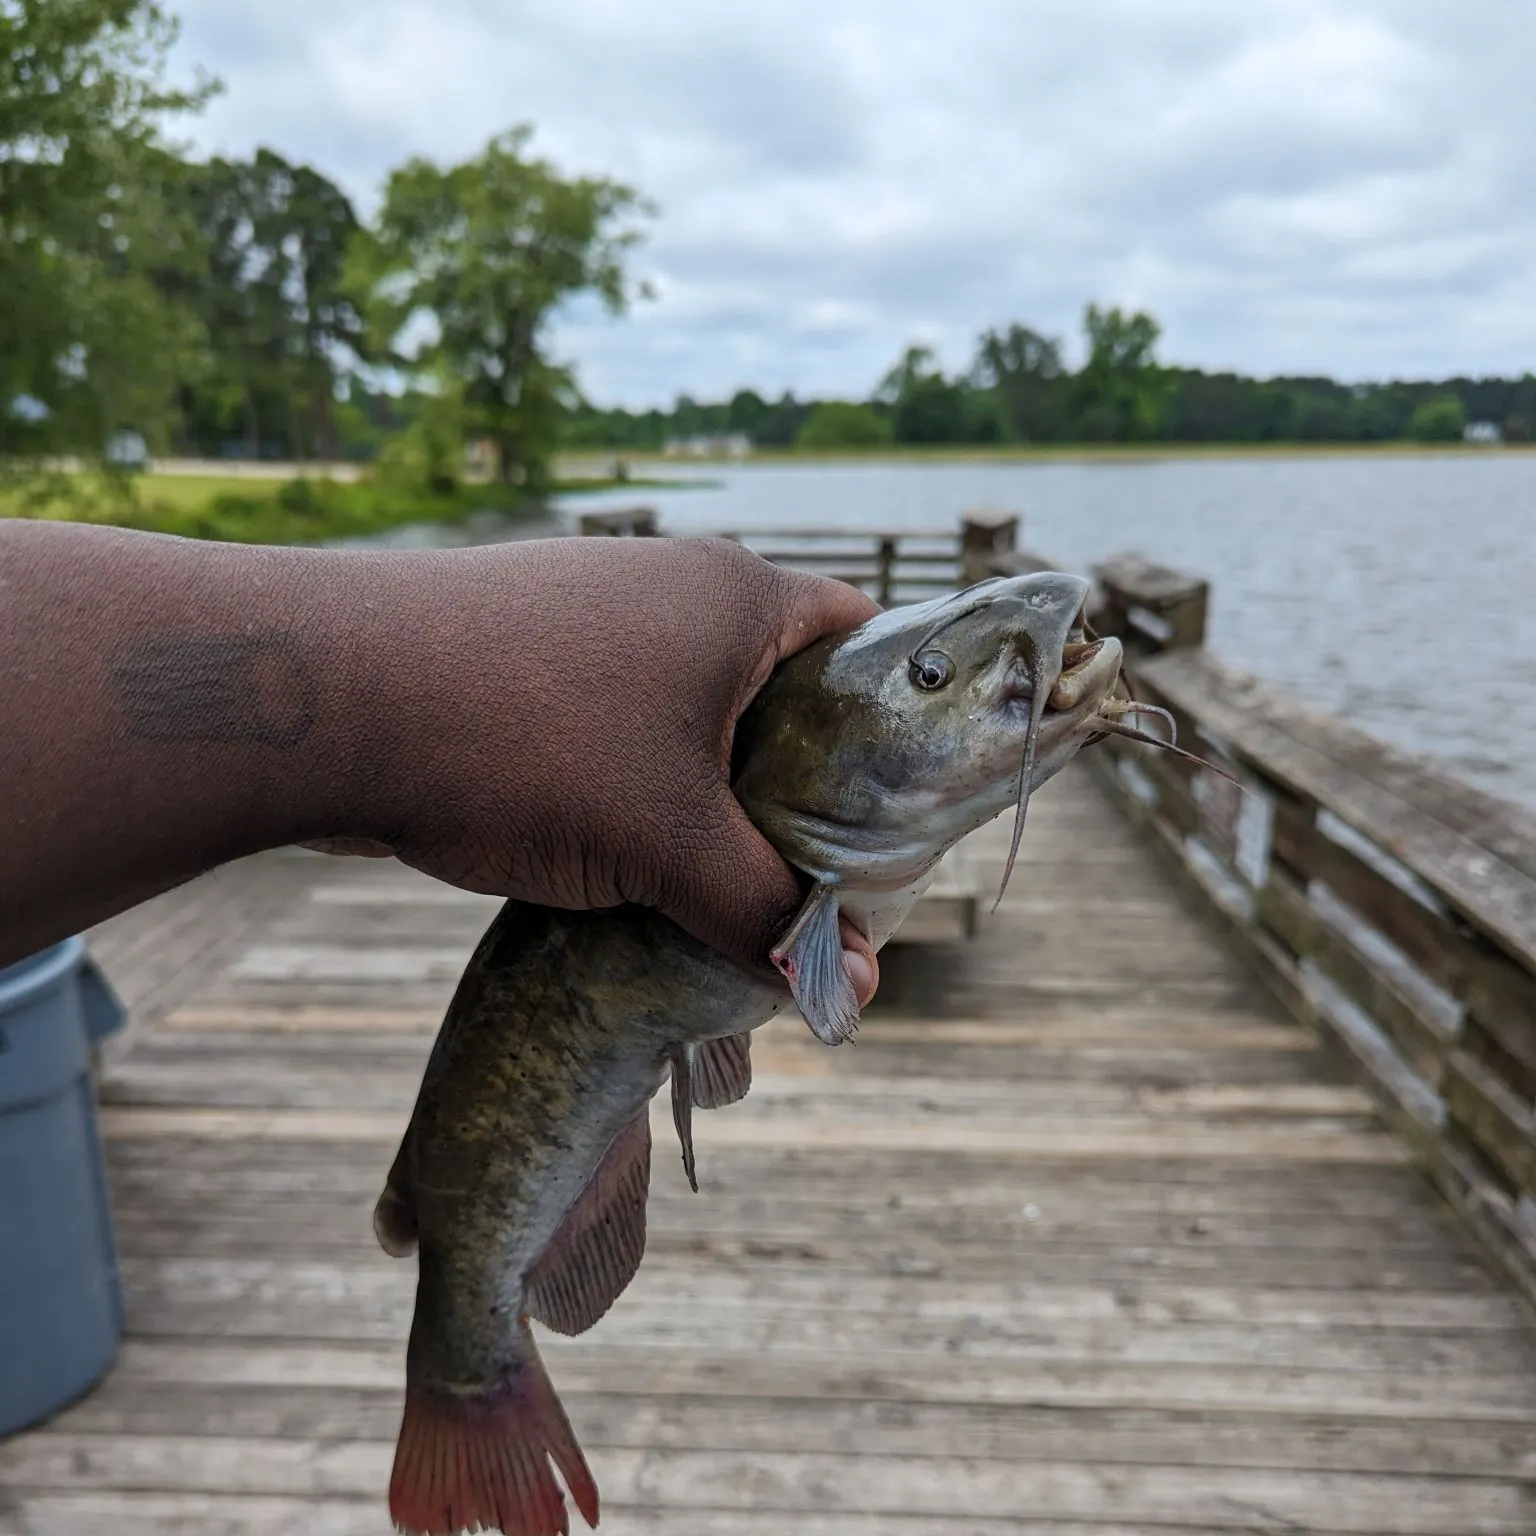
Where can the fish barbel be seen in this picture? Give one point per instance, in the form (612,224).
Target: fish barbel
(521,1180)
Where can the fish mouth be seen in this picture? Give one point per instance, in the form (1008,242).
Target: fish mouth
(1089,669)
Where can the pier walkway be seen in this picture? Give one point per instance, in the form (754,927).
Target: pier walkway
(1085,1235)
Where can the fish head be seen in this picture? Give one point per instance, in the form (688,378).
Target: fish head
(871,753)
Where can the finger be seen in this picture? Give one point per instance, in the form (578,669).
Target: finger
(815,606)
(810,608)
(732,890)
(863,973)
(860,962)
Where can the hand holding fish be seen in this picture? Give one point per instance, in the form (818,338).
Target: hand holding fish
(560,716)
(544,720)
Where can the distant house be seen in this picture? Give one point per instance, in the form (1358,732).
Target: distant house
(724,445)
(1482,432)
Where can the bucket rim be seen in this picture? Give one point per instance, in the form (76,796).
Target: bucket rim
(21,982)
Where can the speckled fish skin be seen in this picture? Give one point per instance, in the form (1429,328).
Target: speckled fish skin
(565,1024)
(559,1032)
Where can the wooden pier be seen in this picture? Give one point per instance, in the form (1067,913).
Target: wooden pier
(1114,1222)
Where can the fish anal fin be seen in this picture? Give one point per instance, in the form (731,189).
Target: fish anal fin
(467,1463)
(810,955)
(600,1243)
(722,1070)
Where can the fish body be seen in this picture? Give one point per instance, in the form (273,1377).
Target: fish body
(521,1180)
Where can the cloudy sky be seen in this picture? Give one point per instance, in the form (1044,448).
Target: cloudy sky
(1342,186)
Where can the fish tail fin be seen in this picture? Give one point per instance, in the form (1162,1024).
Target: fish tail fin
(467,1462)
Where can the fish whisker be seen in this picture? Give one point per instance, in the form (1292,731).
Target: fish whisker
(1134,706)
(1037,708)
(1025,774)
(1110,725)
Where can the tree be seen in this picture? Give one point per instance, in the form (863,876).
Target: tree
(309,227)
(1121,390)
(88,342)
(748,412)
(842,424)
(1439,419)
(1519,425)
(268,285)
(925,406)
(782,422)
(1023,369)
(486,251)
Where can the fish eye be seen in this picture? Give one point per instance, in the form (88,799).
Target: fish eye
(930,671)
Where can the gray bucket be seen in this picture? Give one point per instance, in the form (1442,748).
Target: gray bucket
(61,1309)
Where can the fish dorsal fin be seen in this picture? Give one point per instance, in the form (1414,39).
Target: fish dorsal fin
(811,957)
(722,1071)
(600,1243)
(394,1217)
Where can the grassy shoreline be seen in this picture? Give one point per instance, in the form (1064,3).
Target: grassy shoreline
(252,509)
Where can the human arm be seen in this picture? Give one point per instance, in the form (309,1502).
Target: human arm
(549,720)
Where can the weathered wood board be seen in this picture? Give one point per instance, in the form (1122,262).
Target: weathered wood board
(1082,1235)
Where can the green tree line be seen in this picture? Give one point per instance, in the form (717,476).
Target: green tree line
(1017,389)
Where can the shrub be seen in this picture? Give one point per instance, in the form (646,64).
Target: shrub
(1440,419)
(842,424)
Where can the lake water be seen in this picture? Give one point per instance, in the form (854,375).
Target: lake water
(1396,591)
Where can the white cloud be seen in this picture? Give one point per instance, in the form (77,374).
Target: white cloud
(1289,185)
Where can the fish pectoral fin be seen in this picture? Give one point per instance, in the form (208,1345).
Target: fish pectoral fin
(811,957)
(722,1070)
(599,1244)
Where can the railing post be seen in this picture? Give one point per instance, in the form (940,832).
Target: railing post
(984,536)
(887,569)
(1150,606)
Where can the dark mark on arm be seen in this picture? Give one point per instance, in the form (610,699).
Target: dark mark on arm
(216,688)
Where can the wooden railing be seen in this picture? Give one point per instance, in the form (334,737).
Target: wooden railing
(893,567)
(1390,906)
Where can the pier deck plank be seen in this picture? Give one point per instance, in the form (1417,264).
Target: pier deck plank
(1082,1235)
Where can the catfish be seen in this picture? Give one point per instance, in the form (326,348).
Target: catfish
(521,1180)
